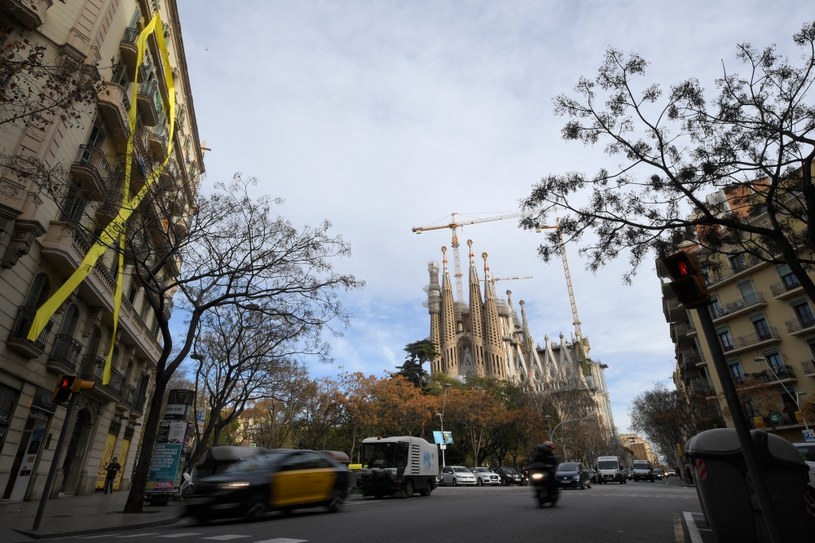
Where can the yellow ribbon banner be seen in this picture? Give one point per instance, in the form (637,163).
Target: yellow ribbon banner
(115,230)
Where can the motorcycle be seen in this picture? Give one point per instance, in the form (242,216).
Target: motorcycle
(545,486)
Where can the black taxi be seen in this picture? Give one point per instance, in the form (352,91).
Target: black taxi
(277,480)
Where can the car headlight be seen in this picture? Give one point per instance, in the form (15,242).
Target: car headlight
(233,485)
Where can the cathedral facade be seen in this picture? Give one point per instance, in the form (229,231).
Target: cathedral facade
(486,337)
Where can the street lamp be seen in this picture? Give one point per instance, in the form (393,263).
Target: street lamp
(558,425)
(792,394)
(441,422)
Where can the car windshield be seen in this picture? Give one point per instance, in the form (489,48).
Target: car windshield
(482,470)
(460,470)
(568,466)
(640,465)
(508,471)
(255,463)
(607,464)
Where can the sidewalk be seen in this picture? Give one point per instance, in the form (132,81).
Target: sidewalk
(72,515)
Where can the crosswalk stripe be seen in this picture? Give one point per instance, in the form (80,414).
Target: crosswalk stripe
(283,540)
(181,534)
(225,537)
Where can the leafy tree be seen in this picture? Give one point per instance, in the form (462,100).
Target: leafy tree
(418,353)
(754,141)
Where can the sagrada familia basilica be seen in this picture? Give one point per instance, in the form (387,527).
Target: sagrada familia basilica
(485,337)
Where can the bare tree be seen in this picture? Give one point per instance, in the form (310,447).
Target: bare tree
(753,143)
(232,252)
(243,357)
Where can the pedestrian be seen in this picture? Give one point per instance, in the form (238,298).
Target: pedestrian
(112,469)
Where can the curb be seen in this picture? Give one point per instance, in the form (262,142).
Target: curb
(117,528)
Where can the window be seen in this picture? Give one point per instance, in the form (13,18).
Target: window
(787,277)
(748,293)
(775,361)
(804,313)
(716,309)
(763,331)
(736,371)
(726,339)
(737,263)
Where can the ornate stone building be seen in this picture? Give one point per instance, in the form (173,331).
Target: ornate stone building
(43,238)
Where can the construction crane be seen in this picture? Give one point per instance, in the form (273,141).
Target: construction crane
(506,278)
(454,225)
(568,275)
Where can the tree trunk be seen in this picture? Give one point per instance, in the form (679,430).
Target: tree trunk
(135,499)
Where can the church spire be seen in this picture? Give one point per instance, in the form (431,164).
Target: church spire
(476,315)
(449,351)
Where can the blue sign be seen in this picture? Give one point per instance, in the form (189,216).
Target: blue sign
(446,440)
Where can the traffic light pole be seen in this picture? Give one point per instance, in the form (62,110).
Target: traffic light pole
(49,481)
(731,397)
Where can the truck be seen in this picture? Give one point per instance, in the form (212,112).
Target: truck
(610,470)
(397,466)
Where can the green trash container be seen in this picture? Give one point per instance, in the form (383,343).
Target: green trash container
(728,499)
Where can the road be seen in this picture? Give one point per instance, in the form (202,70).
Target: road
(636,512)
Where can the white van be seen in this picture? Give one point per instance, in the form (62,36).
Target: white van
(610,470)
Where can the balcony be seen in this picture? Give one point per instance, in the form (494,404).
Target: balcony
(29,13)
(701,386)
(683,333)
(752,340)
(17,338)
(784,374)
(149,103)
(91,169)
(809,368)
(128,51)
(737,269)
(157,143)
(739,306)
(784,289)
(690,359)
(93,369)
(113,106)
(799,326)
(65,355)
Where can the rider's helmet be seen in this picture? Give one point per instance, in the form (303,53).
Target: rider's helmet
(548,445)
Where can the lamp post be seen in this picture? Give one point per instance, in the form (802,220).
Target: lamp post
(441,423)
(792,394)
(558,425)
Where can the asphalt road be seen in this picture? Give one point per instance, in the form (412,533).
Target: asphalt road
(636,512)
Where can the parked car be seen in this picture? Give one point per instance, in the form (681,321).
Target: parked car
(457,475)
(572,475)
(659,472)
(485,476)
(280,479)
(509,476)
(643,471)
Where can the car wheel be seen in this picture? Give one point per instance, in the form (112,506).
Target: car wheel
(409,488)
(256,509)
(455,481)
(588,484)
(479,482)
(336,502)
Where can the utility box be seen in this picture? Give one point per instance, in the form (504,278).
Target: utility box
(728,497)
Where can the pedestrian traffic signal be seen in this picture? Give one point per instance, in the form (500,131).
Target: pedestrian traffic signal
(688,284)
(63,390)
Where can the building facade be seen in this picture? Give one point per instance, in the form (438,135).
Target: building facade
(765,324)
(44,234)
(486,337)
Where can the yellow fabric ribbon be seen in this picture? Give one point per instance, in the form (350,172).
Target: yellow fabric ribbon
(115,230)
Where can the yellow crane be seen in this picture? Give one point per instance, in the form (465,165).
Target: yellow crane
(454,225)
(572,301)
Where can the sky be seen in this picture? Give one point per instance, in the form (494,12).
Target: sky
(380,116)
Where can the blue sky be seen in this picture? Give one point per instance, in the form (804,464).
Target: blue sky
(383,115)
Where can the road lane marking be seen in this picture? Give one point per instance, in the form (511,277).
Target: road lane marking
(225,537)
(693,531)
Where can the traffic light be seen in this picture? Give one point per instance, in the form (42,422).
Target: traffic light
(688,284)
(64,388)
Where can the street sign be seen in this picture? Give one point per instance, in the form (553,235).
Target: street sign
(809,435)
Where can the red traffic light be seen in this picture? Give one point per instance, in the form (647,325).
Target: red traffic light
(62,392)
(681,265)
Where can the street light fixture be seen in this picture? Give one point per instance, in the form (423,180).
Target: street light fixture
(558,425)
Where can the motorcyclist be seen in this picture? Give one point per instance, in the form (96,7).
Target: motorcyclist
(544,459)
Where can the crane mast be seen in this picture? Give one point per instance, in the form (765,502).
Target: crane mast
(569,288)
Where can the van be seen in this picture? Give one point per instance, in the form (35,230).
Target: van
(610,470)
(643,471)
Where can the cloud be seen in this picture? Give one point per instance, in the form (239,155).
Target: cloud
(380,116)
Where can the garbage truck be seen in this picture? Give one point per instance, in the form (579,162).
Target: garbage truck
(397,466)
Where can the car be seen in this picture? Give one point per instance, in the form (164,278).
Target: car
(671,473)
(485,476)
(572,475)
(807,450)
(277,480)
(643,471)
(509,476)
(659,472)
(457,475)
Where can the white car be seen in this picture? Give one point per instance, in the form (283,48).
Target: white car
(485,476)
(457,475)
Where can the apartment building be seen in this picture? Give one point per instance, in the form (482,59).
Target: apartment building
(765,324)
(45,232)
